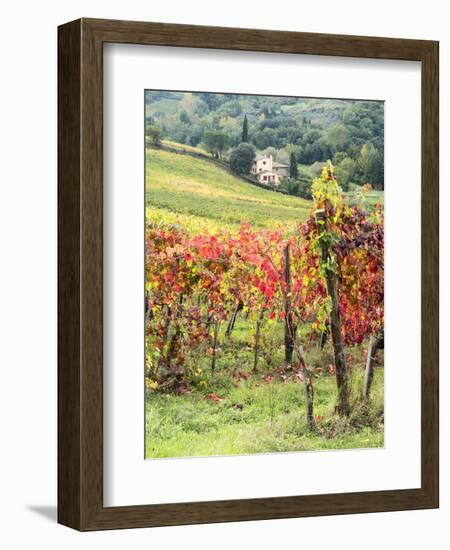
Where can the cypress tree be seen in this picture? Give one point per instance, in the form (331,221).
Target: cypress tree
(293,168)
(245,130)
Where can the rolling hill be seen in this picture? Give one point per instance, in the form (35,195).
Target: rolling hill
(198,193)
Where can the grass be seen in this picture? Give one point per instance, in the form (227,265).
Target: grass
(371,198)
(257,417)
(184,148)
(201,194)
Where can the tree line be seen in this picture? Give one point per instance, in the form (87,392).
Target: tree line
(351,133)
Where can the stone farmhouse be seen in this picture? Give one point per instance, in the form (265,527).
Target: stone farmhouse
(267,171)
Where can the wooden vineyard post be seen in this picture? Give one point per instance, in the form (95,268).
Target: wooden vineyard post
(290,341)
(216,337)
(289,329)
(308,387)
(374,346)
(165,338)
(233,317)
(257,335)
(176,335)
(343,407)
(368,374)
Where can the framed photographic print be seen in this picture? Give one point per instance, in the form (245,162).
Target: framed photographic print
(248,274)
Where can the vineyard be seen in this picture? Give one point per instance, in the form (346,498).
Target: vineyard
(261,334)
(195,193)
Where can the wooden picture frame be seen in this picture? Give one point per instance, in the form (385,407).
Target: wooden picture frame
(80,272)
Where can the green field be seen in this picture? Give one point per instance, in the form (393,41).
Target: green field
(255,416)
(199,193)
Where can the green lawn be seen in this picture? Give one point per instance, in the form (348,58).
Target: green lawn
(199,193)
(257,417)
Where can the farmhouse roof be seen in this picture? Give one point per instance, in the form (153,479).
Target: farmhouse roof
(279,165)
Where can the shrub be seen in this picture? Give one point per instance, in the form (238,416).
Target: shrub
(241,158)
(154,134)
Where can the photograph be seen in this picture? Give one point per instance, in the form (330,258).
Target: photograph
(264,274)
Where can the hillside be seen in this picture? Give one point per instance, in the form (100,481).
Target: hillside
(198,193)
(313,130)
(318,111)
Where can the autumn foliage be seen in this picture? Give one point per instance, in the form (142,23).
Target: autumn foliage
(195,282)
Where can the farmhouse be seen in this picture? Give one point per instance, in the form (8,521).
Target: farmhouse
(267,170)
(267,176)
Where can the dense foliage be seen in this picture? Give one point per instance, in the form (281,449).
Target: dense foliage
(349,132)
(241,158)
(194,282)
